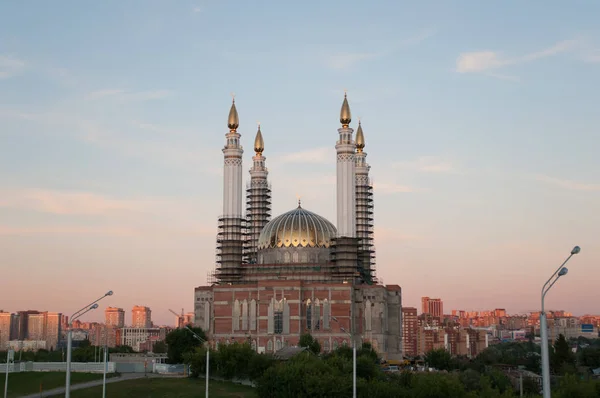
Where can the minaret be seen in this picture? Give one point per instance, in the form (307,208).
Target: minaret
(364,210)
(345,148)
(345,250)
(258,200)
(230,238)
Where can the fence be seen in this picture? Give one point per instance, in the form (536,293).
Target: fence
(87,367)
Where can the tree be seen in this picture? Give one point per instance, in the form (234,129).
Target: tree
(563,358)
(181,341)
(306,340)
(160,347)
(439,359)
(590,356)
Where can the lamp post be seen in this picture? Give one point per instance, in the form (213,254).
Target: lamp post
(207,357)
(561,271)
(87,308)
(353,357)
(105,367)
(10,357)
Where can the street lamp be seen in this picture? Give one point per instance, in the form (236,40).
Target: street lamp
(353,358)
(10,357)
(207,356)
(561,271)
(87,308)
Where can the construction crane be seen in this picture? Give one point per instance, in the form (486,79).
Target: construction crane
(180,318)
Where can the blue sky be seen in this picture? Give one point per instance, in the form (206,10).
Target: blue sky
(481,124)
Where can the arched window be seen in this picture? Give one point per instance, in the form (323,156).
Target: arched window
(252,314)
(270,346)
(335,344)
(317,314)
(207,316)
(368,315)
(278,257)
(309,314)
(261,259)
(278,316)
(345,343)
(278,344)
(236,316)
(286,316)
(253,345)
(245,314)
(304,257)
(286,257)
(326,314)
(295,257)
(326,345)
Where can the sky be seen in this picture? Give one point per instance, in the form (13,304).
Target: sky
(480,119)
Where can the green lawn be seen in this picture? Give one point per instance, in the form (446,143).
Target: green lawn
(158,387)
(31,382)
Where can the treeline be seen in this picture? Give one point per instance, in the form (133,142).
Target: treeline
(330,375)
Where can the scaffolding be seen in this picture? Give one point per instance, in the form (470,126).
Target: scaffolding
(344,254)
(364,232)
(258,214)
(230,247)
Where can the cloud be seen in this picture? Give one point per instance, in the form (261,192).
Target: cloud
(346,60)
(483,61)
(10,66)
(67,202)
(568,184)
(102,214)
(428,164)
(104,93)
(386,234)
(123,231)
(123,95)
(392,188)
(321,155)
(196,10)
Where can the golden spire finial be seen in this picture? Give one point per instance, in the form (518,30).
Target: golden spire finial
(345,115)
(360,138)
(299,201)
(233,121)
(259,144)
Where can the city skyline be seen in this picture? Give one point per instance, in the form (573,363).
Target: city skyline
(480,142)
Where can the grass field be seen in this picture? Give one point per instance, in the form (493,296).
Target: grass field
(29,382)
(159,387)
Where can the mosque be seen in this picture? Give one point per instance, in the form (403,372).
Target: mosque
(297,273)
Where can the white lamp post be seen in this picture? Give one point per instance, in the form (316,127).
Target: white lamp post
(87,308)
(353,358)
(10,357)
(207,357)
(561,271)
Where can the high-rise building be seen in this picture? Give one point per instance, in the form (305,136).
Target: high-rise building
(278,278)
(141,317)
(432,306)
(114,317)
(5,323)
(410,329)
(36,327)
(53,329)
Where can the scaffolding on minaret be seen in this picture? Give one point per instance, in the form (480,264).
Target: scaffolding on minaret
(231,232)
(364,212)
(258,201)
